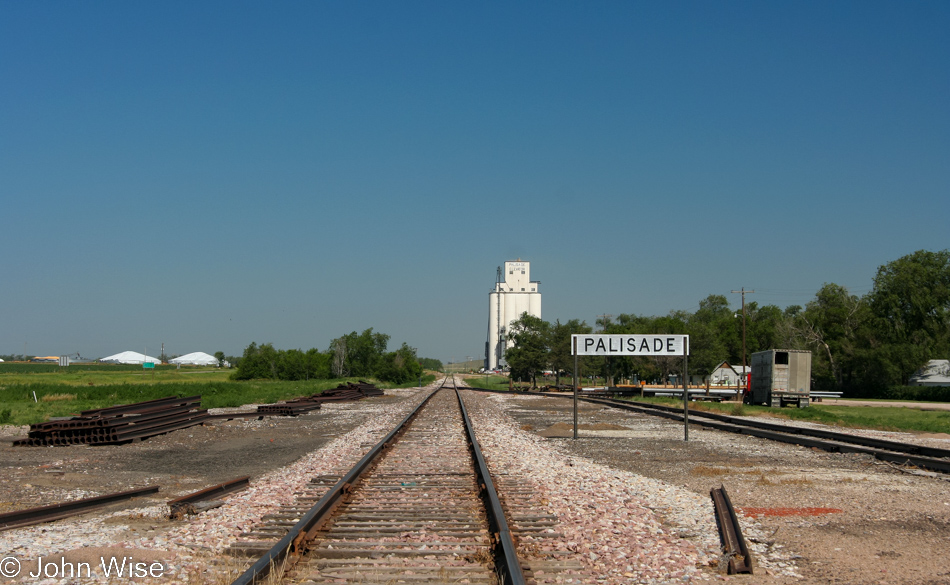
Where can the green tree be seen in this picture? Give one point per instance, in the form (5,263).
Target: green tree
(317,364)
(652,369)
(219,355)
(715,335)
(829,327)
(431,364)
(529,354)
(291,365)
(561,357)
(400,366)
(358,355)
(910,308)
(257,362)
(763,325)
(787,335)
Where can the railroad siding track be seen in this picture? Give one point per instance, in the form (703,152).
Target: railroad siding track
(892,451)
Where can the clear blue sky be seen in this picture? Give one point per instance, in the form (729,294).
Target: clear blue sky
(214,173)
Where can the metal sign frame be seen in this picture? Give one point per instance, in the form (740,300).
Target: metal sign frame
(634,345)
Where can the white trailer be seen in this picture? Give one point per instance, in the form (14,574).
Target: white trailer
(781,377)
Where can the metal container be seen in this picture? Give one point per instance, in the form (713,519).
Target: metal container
(781,377)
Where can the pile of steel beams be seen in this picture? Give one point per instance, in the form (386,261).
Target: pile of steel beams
(348,391)
(289,408)
(118,424)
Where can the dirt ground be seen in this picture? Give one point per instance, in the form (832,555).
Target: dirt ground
(868,522)
(878,524)
(181,462)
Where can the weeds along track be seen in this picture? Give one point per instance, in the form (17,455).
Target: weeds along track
(418,511)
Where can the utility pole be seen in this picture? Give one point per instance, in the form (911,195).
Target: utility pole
(745,374)
(608,381)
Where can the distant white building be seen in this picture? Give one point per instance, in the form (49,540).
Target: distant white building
(130,357)
(934,373)
(728,375)
(514,295)
(198,358)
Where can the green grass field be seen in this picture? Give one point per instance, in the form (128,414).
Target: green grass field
(32,397)
(487,382)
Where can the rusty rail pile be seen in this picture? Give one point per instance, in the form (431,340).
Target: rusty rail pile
(118,424)
(348,391)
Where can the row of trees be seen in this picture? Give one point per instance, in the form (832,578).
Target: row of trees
(857,343)
(355,355)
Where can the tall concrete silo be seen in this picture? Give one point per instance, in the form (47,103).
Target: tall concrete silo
(514,294)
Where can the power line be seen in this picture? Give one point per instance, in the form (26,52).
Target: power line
(743,291)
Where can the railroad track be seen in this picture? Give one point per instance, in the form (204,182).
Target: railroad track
(931,458)
(418,507)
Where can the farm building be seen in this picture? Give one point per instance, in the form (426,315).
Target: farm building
(198,358)
(934,373)
(727,375)
(129,357)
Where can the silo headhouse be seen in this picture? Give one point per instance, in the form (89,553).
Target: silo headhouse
(514,294)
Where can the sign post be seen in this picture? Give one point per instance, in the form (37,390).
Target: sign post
(633,345)
(576,379)
(685,397)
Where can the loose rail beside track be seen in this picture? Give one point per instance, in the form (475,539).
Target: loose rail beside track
(734,545)
(52,512)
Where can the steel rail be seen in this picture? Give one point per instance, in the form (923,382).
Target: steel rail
(181,504)
(66,509)
(506,554)
(826,440)
(294,541)
(112,421)
(740,560)
(138,406)
(817,433)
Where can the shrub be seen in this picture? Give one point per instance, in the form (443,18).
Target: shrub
(921,393)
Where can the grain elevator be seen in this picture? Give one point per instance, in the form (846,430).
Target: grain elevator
(514,294)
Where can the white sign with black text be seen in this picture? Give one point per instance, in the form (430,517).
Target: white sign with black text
(624,344)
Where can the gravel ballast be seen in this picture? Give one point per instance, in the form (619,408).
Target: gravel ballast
(631,497)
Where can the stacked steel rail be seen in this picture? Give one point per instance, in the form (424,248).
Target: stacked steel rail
(355,532)
(118,424)
(349,391)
